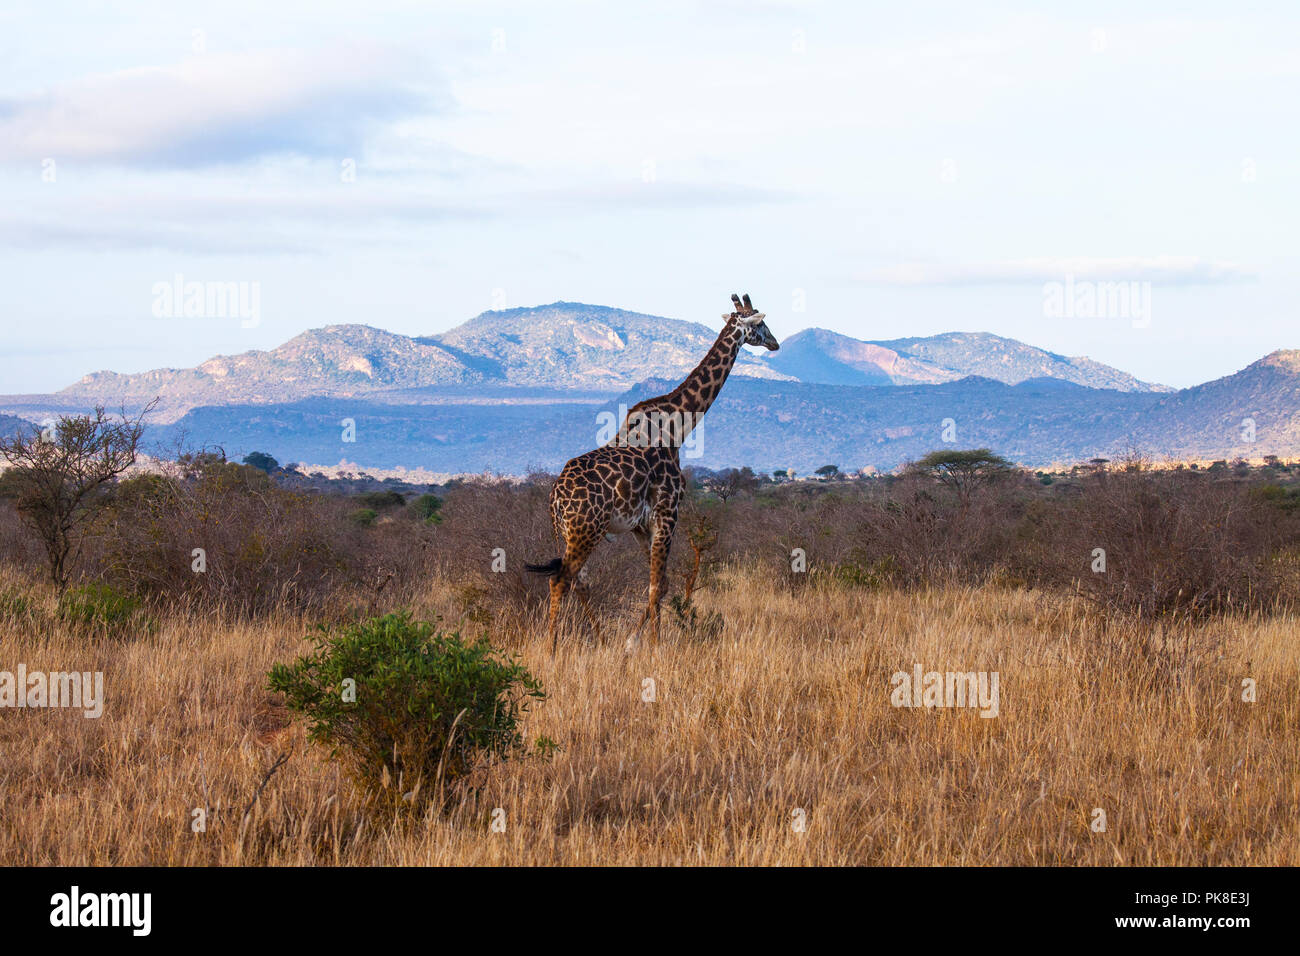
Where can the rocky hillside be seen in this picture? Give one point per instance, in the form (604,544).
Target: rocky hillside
(1252,413)
(822,357)
(571,345)
(559,346)
(819,356)
(338,360)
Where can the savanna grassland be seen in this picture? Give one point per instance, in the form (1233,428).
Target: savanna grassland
(770,737)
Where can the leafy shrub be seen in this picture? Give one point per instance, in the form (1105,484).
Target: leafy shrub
(426,508)
(261,461)
(364,517)
(1284,499)
(695,625)
(382,500)
(424,709)
(859,571)
(101,609)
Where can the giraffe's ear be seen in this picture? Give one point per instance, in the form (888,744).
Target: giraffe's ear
(752,320)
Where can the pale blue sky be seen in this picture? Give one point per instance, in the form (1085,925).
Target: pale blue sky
(907,168)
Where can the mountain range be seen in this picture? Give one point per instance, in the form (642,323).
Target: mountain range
(822,357)
(564,346)
(521,388)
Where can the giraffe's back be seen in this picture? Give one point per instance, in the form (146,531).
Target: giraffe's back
(609,490)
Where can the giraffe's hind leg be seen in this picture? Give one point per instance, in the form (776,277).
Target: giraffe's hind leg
(576,553)
(658,569)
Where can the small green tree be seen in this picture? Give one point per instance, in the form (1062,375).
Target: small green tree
(262,461)
(828,471)
(364,517)
(382,500)
(426,508)
(963,471)
(405,708)
(60,477)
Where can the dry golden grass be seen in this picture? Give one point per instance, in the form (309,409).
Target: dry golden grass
(788,709)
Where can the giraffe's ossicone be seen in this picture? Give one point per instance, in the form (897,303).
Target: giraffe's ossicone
(633,483)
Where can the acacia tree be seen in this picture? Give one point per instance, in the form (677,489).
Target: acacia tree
(963,471)
(260,459)
(732,481)
(60,476)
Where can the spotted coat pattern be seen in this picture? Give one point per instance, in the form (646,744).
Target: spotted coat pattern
(632,484)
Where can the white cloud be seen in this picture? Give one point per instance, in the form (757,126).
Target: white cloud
(1172,270)
(219,107)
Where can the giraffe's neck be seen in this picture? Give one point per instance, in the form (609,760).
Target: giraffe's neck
(671,418)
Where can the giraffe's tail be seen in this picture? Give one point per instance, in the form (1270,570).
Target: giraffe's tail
(551,568)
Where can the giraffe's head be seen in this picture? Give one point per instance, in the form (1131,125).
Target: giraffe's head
(751,321)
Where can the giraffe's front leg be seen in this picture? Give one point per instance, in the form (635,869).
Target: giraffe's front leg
(658,570)
(661,540)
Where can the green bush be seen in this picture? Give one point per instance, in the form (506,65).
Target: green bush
(261,461)
(426,509)
(706,626)
(1286,499)
(382,500)
(17,607)
(423,707)
(364,517)
(102,609)
(859,572)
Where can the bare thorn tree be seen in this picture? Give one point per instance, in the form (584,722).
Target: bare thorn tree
(62,475)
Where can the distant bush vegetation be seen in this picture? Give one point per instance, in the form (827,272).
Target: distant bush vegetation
(382,500)
(1133,539)
(227,535)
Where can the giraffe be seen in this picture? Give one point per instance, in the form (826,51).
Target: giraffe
(634,481)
